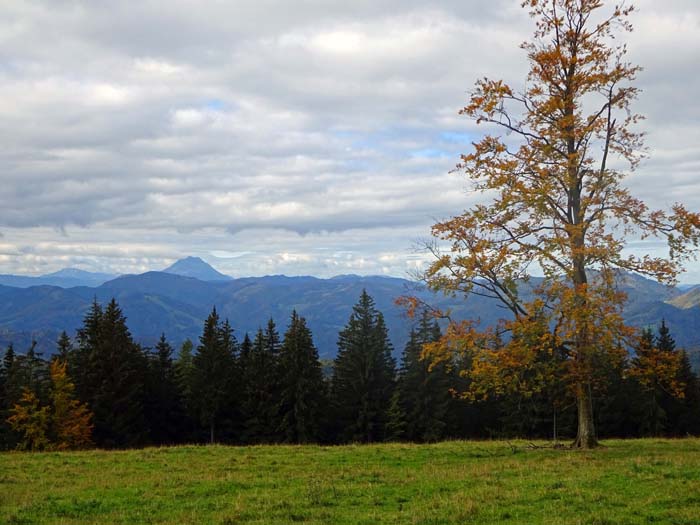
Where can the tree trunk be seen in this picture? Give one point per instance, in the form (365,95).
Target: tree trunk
(211,433)
(586,436)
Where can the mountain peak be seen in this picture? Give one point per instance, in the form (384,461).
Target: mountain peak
(197,268)
(77,273)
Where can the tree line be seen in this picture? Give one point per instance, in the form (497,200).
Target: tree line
(101,388)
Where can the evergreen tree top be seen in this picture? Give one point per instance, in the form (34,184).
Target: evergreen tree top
(664,341)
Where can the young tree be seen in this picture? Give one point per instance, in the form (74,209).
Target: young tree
(64,347)
(363,375)
(302,390)
(31,420)
(554,198)
(71,426)
(656,367)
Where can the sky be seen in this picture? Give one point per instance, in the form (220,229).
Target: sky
(311,137)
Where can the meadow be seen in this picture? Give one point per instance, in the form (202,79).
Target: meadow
(626,482)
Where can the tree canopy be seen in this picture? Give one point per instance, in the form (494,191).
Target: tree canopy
(551,170)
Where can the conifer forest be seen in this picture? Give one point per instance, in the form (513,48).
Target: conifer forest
(101,389)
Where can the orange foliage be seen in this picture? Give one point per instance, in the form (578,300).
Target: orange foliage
(30,420)
(64,425)
(655,368)
(553,202)
(71,425)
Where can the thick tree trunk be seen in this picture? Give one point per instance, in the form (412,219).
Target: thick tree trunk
(586,436)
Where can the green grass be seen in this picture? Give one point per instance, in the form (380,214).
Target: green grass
(639,481)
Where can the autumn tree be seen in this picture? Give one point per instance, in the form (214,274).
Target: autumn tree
(661,372)
(551,169)
(71,425)
(31,421)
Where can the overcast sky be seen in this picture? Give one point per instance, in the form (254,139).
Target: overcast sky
(297,137)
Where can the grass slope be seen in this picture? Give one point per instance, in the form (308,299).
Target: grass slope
(641,481)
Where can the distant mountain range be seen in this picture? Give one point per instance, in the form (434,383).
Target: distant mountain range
(177,300)
(66,278)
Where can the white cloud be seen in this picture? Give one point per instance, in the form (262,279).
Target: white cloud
(309,140)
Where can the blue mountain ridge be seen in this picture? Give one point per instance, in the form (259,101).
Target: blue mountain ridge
(177,305)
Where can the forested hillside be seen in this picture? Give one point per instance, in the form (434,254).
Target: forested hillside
(158,301)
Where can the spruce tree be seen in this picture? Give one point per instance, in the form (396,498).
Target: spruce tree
(34,371)
(664,340)
(118,399)
(10,393)
(682,410)
(84,365)
(164,406)
(644,370)
(260,373)
(184,380)
(302,390)
(212,379)
(685,411)
(363,375)
(64,347)
(656,368)
(423,388)
(109,371)
(184,371)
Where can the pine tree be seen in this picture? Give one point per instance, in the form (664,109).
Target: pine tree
(34,371)
(664,341)
(10,393)
(684,412)
(260,373)
(396,418)
(212,376)
(71,426)
(681,407)
(363,375)
(618,406)
(301,384)
(644,369)
(245,351)
(110,375)
(184,371)
(64,347)
(184,380)
(423,388)
(164,405)
(656,368)
(86,359)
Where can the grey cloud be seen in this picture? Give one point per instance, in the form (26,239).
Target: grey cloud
(166,129)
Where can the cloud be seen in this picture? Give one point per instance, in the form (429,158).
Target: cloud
(310,140)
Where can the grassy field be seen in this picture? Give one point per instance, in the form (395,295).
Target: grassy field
(642,481)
